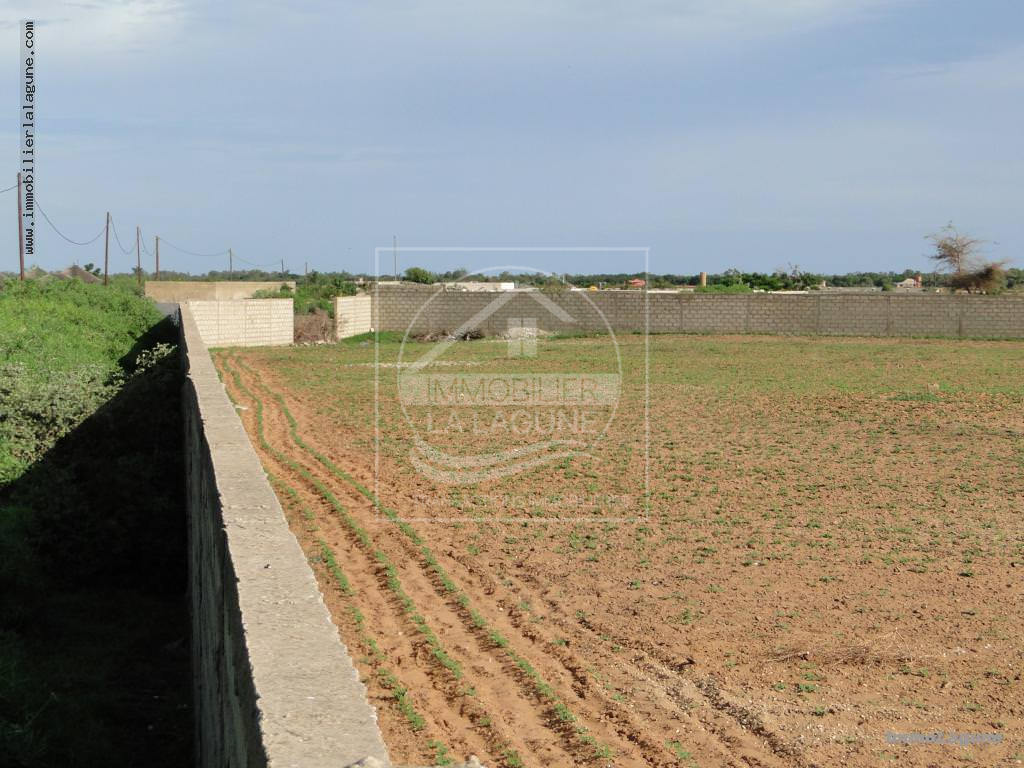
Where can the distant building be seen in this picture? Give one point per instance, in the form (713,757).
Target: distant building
(910,284)
(636,282)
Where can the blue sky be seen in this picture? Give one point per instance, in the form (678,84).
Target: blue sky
(831,134)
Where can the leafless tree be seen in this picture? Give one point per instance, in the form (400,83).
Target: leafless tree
(960,254)
(954,251)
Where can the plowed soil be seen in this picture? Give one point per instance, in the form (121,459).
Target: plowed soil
(832,554)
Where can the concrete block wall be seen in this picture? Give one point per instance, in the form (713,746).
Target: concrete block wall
(353,315)
(178,291)
(424,309)
(857,314)
(274,685)
(771,314)
(702,313)
(924,316)
(993,316)
(245,323)
(428,309)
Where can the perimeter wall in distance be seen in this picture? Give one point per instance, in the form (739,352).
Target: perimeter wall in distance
(425,309)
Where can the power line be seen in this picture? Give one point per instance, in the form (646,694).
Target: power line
(165,241)
(8,189)
(73,242)
(259,266)
(125,251)
(120,245)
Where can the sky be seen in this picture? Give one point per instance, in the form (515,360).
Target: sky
(831,135)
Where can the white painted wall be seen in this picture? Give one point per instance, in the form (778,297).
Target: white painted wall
(245,322)
(353,315)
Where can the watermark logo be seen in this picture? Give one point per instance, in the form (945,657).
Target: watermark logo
(479,417)
(27,129)
(508,394)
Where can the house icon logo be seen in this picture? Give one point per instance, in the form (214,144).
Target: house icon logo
(506,404)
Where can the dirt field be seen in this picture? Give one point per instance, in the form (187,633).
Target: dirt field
(830,552)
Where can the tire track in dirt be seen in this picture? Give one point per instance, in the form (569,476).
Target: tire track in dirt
(520,728)
(743,731)
(721,728)
(716,727)
(659,695)
(631,735)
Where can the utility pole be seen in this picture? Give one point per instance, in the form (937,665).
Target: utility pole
(106,253)
(394,249)
(21,235)
(138,255)
(282,267)
(307,269)
(231,263)
(157,276)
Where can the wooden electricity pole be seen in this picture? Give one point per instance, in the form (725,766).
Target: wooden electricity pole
(106,252)
(282,267)
(157,276)
(21,234)
(138,255)
(231,263)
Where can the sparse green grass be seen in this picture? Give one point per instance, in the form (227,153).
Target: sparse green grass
(683,756)
(401,694)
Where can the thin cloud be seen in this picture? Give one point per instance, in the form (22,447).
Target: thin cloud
(83,30)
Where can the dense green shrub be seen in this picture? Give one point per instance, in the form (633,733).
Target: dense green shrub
(38,407)
(420,275)
(65,348)
(313,293)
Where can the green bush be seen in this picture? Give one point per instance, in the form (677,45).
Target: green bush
(420,275)
(315,292)
(37,408)
(722,288)
(65,347)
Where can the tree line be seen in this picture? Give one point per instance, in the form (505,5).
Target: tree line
(960,265)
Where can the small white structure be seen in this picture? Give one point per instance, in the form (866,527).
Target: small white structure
(353,315)
(478,286)
(244,322)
